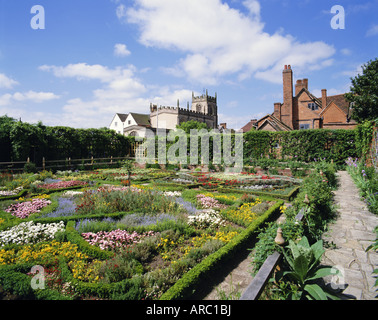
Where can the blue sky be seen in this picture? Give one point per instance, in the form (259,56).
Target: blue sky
(96,58)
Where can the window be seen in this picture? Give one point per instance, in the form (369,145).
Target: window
(129,122)
(115,123)
(313,106)
(304,126)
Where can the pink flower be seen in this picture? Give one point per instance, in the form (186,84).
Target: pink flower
(23,210)
(114,239)
(62,184)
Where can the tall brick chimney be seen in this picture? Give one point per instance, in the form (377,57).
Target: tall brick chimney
(277,110)
(300,85)
(287,107)
(324,98)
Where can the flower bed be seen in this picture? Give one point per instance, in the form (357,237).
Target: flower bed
(5,193)
(23,210)
(62,184)
(114,239)
(209,202)
(30,232)
(124,242)
(206,219)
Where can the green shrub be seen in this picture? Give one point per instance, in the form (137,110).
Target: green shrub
(30,167)
(303,262)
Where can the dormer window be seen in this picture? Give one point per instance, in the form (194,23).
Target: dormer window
(313,106)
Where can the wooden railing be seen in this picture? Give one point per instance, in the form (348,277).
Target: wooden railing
(256,287)
(65,164)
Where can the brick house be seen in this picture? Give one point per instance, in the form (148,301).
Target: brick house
(302,110)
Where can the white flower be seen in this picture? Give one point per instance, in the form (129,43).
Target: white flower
(28,232)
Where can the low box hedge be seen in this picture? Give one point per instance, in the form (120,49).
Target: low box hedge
(185,286)
(16,196)
(287,196)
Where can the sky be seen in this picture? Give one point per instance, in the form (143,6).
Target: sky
(78,62)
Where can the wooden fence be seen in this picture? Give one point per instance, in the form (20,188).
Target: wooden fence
(256,287)
(66,164)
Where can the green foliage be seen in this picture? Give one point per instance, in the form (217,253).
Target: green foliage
(185,286)
(191,124)
(20,140)
(364,134)
(366,180)
(302,145)
(303,261)
(30,167)
(374,247)
(364,92)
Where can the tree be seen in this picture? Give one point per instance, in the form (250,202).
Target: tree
(364,93)
(6,124)
(191,124)
(128,165)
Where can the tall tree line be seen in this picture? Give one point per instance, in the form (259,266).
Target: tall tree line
(20,140)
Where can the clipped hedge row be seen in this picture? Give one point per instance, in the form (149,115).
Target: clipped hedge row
(289,196)
(184,287)
(74,237)
(303,145)
(16,196)
(14,279)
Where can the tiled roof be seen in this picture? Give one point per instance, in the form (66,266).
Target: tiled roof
(249,126)
(122,116)
(277,124)
(141,119)
(340,101)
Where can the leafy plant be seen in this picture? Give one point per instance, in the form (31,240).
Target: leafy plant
(304,263)
(374,247)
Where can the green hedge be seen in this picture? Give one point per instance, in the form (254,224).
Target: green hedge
(19,195)
(14,279)
(18,140)
(185,286)
(74,237)
(290,195)
(303,145)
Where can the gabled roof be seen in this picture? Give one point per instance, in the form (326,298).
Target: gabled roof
(122,116)
(141,119)
(312,97)
(340,101)
(277,124)
(249,125)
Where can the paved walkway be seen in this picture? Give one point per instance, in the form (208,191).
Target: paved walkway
(348,237)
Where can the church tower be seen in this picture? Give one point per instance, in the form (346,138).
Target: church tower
(206,105)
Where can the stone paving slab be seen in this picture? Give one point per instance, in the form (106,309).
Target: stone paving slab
(348,237)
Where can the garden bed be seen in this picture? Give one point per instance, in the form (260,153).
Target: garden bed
(118,242)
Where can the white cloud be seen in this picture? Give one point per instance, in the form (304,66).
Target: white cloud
(121,11)
(346,52)
(83,71)
(237,122)
(6,82)
(33,96)
(373,31)
(120,50)
(120,91)
(218,40)
(253,6)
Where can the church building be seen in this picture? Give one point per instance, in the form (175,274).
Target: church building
(204,109)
